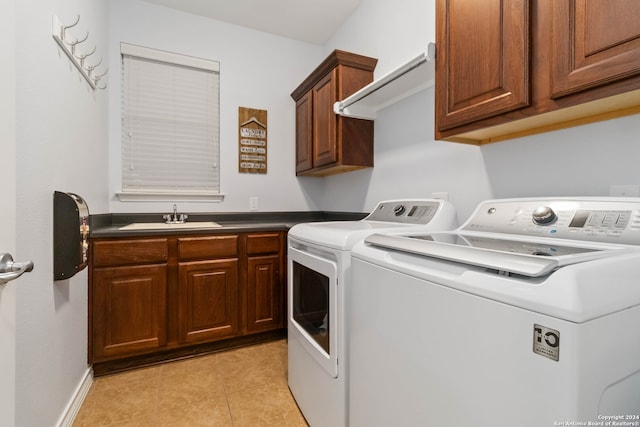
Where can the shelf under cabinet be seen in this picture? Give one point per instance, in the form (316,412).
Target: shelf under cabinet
(402,82)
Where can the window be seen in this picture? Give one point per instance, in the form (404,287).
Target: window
(170,125)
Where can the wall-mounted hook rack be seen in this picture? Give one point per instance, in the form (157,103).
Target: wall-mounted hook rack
(69,47)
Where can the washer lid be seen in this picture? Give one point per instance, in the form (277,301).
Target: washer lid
(502,253)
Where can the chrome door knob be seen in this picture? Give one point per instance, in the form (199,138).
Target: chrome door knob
(10,270)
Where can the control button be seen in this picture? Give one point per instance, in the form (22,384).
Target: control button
(544,215)
(399,210)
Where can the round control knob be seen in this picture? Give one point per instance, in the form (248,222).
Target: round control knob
(399,210)
(544,215)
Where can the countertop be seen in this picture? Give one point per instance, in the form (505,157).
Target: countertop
(108,225)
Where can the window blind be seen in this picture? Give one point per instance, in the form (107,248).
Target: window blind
(170,122)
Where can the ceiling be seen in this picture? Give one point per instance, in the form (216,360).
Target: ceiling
(311,21)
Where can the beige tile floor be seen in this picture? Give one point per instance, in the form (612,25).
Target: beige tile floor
(246,387)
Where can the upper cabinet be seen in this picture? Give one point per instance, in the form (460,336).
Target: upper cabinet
(327,143)
(509,68)
(594,43)
(482,60)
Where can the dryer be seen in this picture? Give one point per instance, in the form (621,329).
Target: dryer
(527,315)
(319,259)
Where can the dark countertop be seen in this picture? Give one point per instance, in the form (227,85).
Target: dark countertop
(108,225)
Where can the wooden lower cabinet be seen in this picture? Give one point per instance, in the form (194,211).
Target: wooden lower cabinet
(264,289)
(207,300)
(160,298)
(265,283)
(129,310)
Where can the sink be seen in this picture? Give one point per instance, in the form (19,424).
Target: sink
(164,226)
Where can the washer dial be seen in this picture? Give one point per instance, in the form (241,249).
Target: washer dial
(544,215)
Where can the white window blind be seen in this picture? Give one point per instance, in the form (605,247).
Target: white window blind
(170,123)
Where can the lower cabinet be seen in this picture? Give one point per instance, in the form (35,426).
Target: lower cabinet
(265,290)
(264,310)
(129,310)
(207,300)
(151,297)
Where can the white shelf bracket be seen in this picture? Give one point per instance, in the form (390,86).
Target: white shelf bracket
(402,82)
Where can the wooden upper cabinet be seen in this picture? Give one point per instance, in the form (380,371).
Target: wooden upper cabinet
(511,68)
(304,133)
(482,59)
(594,42)
(327,143)
(324,125)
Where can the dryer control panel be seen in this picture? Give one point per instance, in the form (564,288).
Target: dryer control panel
(406,211)
(615,220)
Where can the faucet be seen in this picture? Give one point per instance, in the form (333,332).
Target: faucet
(175,218)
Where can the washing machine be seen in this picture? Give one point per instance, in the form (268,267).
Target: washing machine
(527,315)
(319,259)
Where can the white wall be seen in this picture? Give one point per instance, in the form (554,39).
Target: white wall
(257,70)
(408,162)
(8,212)
(61,134)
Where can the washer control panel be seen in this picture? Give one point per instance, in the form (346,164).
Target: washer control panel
(594,219)
(405,211)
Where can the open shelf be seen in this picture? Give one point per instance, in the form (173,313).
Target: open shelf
(409,78)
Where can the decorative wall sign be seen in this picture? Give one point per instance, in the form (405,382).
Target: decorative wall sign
(252,140)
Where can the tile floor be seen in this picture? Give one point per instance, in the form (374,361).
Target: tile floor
(246,387)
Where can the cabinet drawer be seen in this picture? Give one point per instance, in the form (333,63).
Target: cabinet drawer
(194,248)
(128,252)
(266,243)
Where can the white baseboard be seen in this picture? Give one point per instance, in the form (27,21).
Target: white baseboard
(70,412)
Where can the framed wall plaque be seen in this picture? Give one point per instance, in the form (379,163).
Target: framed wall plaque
(252,140)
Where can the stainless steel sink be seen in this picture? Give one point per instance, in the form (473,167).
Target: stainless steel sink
(165,226)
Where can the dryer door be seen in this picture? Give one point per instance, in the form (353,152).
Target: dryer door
(312,306)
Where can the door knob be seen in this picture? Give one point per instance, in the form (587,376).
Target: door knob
(10,270)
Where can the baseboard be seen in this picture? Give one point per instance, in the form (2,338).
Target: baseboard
(70,412)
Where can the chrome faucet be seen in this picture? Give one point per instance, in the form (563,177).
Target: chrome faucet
(175,218)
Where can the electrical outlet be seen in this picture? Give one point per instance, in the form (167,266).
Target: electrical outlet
(442,195)
(630,190)
(253,203)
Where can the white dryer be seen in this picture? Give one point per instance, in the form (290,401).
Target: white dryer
(319,259)
(528,315)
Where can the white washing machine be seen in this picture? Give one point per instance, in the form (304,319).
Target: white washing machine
(319,258)
(528,315)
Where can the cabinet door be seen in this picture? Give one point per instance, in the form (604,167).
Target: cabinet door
(264,299)
(207,300)
(324,121)
(594,42)
(304,133)
(129,311)
(483,62)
